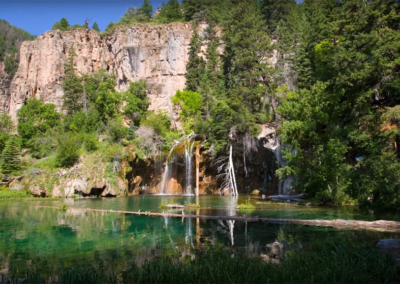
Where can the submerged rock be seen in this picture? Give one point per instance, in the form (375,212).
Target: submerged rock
(388,244)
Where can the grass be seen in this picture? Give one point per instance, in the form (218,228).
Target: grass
(192,205)
(246,206)
(13,194)
(323,263)
(164,203)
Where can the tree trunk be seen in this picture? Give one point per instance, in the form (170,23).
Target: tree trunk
(198,167)
(84,100)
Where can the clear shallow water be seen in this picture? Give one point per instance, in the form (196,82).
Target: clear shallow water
(30,234)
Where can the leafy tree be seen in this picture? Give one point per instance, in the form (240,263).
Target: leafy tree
(160,122)
(108,101)
(136,101)
(96,27)
(344,128)
(67,150)
(116,130)
(35,118)
(10,161)
(73,89)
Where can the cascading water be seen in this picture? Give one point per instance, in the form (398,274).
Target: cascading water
(188,162)
(284,185)
(166,171)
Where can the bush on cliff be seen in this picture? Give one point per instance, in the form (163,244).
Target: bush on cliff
(67,150)
(35,118)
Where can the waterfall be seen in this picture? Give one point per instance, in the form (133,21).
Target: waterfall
(188,162)
(284,185)
(166,171)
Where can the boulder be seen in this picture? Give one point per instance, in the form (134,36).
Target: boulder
(388,244)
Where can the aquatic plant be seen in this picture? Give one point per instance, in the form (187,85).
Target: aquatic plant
(63,207)
(192,205)
(324,262)
(164,203)
(246,206)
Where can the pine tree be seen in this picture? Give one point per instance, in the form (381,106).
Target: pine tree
(147,9)
(10,161)
(171,12)
(64,25)
(195,65)
(73,89)
(96,27)
(275,11)
(245,60)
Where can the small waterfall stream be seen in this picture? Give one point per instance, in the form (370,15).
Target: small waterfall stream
(188,162)
(284,185)
(166,171)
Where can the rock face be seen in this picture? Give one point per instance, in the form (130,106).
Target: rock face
(90,177)
(157,54)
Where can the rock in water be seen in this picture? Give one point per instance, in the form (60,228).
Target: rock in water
(388,244)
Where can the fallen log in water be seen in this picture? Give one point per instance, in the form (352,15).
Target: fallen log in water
(381,225)
(174,206)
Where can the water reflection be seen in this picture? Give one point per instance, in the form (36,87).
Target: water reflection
(28,233)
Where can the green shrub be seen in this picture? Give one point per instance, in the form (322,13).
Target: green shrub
(90,143)
(67,151)
(116,130)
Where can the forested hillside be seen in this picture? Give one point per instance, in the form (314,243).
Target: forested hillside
(334,92)
(11,39)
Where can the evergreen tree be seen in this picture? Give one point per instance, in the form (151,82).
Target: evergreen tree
(147,9)
(205,10)
(275,11)
(64,24)
(96,27)
(247,49)
(10,161)
(170,12)
(196,64)
(6,128)
(73,89)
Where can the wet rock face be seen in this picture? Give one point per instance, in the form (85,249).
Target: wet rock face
(157,54)
(257,173)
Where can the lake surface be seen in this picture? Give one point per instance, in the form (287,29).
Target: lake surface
(29,234)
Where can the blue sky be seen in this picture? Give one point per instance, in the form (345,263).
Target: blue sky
(38,16)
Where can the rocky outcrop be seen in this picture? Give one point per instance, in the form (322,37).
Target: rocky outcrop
(157,54)
(90,177)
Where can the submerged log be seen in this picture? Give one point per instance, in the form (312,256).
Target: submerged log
(381,225)
(175,206)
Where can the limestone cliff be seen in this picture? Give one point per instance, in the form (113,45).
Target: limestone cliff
(157,54)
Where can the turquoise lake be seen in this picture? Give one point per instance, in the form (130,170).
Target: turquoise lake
(29,234)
